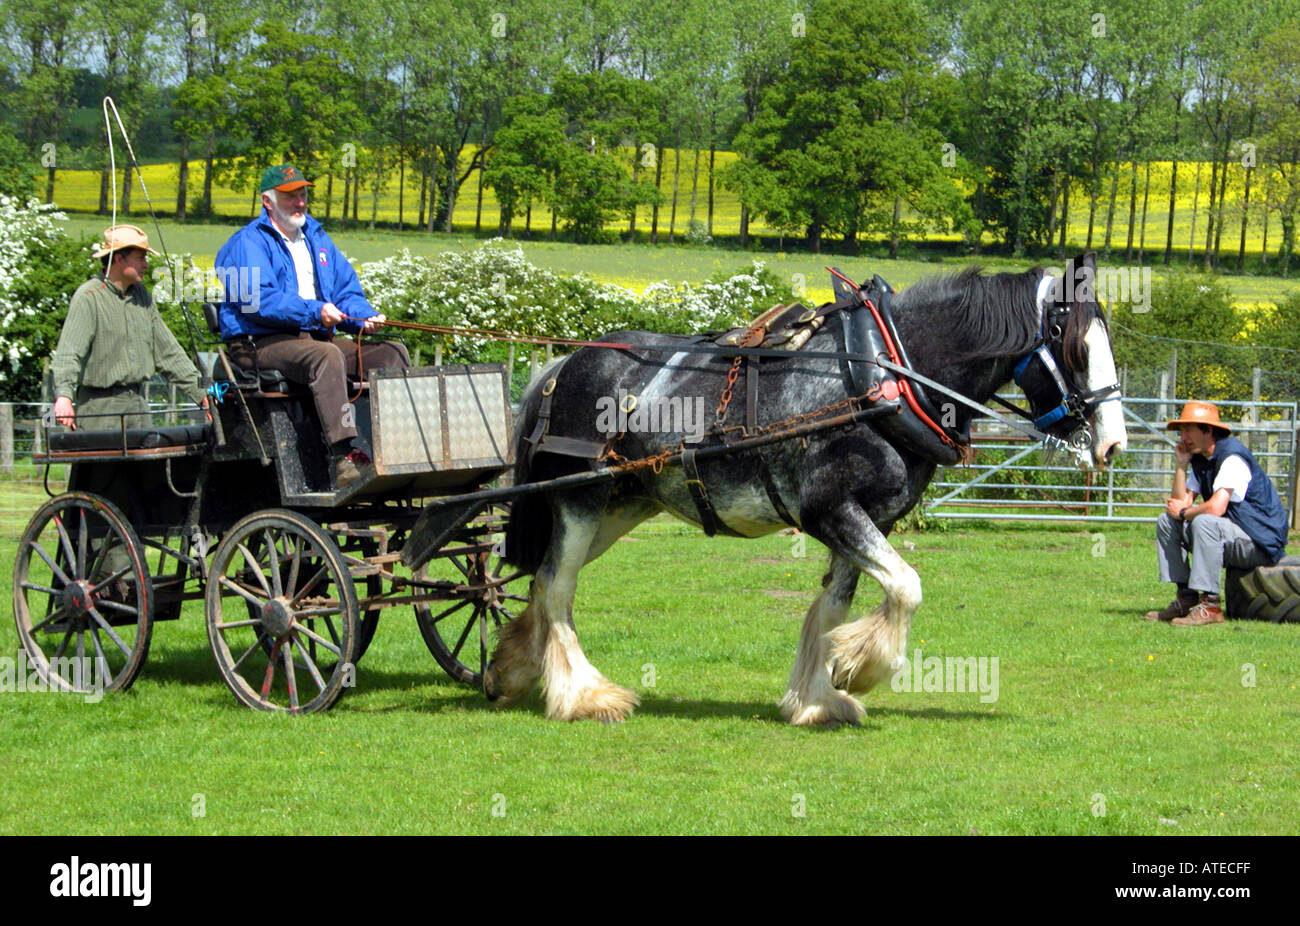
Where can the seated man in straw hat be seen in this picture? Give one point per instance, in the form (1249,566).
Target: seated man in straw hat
(1240,523)
(114,340)
(287,289)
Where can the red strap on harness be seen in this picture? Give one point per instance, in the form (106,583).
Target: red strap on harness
(904,386)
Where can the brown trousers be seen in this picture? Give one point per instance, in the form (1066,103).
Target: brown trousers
(322,366)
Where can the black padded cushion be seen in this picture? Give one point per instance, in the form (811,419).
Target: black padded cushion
(211,316)
(266,380)
(136,439)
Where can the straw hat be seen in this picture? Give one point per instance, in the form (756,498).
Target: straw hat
(121,237)
(1199,413)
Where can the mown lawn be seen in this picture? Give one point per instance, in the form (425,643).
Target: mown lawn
(1103,723)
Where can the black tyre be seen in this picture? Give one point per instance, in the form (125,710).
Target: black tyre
(1268,593)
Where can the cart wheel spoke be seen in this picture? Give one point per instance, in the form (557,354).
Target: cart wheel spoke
(286,654)
(111,577)
(308,657)
(119,608)
(65,545)
(295,563)
(101,660)
(40,551)
(63,646)
(317,638)
(56,615)
(456,607)
(239,590)
(99,619)
(253,565)
(273,556)
(307,589)
(464,634)
(256,645)
(83,538)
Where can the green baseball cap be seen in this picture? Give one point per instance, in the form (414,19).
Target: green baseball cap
(285,177)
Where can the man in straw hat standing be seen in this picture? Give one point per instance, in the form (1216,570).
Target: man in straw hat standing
(287,289)
(1240,523)
(114,340)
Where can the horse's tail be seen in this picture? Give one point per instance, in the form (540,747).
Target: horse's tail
(528,531)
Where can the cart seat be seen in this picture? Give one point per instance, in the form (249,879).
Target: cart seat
(136,439)
(264,381)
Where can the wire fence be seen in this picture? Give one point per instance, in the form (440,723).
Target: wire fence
(1012,479)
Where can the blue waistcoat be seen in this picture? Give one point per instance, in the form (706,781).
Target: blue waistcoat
(1260,514)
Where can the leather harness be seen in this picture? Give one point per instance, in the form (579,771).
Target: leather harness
(868,331)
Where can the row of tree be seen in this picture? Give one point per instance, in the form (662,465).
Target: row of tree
(852,118)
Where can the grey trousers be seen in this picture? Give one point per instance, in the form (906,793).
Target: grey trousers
(1214,542)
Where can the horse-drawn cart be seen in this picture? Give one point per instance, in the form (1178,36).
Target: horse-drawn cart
(242,515)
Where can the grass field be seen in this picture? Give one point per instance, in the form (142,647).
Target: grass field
(1103,724)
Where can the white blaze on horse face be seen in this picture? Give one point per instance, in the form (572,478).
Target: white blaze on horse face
(1110,436)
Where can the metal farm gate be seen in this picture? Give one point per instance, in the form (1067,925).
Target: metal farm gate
(1011,479)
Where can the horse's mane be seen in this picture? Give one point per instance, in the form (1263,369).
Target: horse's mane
(996,313)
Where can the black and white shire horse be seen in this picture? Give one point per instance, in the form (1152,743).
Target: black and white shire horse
(845,487)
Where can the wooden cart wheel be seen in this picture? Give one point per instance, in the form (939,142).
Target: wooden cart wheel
(292,573)
(481,595)
(367,621)
(83,597)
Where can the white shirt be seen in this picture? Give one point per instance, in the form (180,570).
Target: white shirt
(1234,474)
(302,265)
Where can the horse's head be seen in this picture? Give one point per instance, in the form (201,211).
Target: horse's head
(1070,379)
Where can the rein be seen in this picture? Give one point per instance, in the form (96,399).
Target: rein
(737,352)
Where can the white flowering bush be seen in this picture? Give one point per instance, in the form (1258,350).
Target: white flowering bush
(494,287)
(40,268)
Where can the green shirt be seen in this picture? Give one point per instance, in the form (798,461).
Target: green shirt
(111,338)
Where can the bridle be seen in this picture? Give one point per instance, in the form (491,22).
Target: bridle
(1073,404)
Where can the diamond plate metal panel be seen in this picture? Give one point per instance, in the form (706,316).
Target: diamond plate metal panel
(410,412)
(476,416)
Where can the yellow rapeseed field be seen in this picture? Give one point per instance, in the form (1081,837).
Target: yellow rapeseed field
(78,190)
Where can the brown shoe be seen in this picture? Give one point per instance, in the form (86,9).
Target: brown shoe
(1201,615)
(347,469)
(1179,607)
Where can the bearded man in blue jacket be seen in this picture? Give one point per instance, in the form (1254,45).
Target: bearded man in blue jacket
(1240,523)
(288,292)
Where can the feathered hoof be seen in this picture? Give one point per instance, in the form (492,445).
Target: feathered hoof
(602,701)
(834,711)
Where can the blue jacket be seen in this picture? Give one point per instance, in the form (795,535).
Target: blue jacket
(261,285)
(1260,514)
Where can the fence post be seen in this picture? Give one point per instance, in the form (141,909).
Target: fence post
(6,437)
(437,355)
(510,371)
(1295,465)
(1173,376)
(1256,378)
